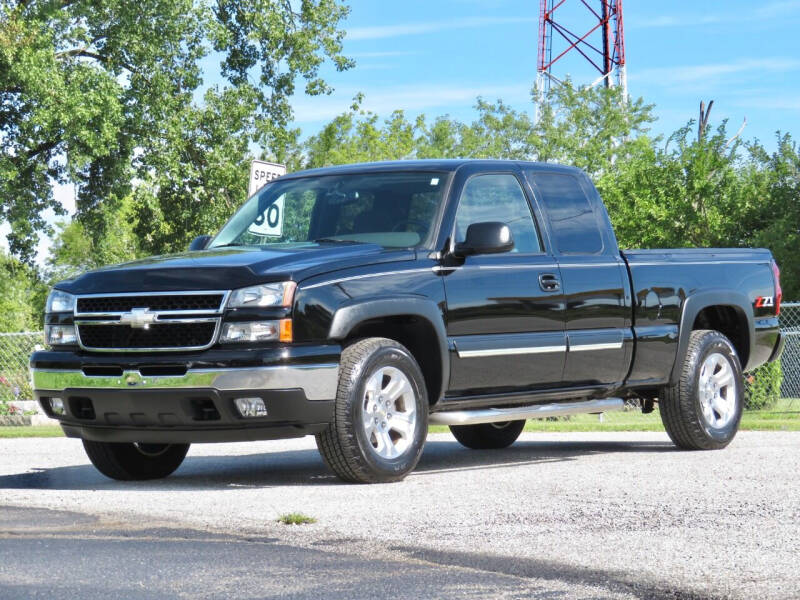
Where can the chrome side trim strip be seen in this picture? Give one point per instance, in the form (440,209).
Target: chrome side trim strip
(507,351)
(587,340)
(319,381)
(539,411)
(600,346)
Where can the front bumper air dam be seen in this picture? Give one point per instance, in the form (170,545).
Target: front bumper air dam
(197,406)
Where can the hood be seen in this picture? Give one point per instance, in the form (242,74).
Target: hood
(229,268)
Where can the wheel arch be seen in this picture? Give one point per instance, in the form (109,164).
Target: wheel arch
(725,311)
(415,322)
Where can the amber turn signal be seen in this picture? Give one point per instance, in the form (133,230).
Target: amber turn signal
(285,330)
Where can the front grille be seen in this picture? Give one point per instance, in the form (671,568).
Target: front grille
(167,302)
(161,335)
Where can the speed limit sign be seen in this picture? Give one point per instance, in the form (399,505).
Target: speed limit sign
(261,173)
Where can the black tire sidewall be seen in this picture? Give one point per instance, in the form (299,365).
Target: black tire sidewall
(125,462)
(487,436)
(397,357)
(716,343)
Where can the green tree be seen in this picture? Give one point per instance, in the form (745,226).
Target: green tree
(358,136)
(21,296)
(588,127)
(75,250)
(775,218)
(687,193)
(102,94)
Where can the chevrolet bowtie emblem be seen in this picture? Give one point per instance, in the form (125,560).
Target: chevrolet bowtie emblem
(139,318)
(133,379)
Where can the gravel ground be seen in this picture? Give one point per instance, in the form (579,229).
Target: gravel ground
(610,515)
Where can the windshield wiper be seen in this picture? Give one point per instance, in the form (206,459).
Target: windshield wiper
(329,240)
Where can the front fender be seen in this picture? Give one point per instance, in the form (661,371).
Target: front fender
(351,313)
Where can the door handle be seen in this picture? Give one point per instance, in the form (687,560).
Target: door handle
(549,282)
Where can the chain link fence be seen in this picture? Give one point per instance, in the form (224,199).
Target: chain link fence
(774,386)
(15,380)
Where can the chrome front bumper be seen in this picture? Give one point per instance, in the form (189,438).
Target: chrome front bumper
(318,381)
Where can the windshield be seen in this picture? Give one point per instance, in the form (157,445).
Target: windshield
(391,209)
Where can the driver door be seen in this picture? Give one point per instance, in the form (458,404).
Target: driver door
(505,312)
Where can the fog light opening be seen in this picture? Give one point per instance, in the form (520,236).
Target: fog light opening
(251,407)
(57,406)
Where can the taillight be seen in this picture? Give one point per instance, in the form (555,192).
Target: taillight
(776,273)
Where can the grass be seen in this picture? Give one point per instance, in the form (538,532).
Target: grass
(34,431)
(296,518)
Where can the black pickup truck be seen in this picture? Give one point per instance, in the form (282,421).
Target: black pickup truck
(361,303)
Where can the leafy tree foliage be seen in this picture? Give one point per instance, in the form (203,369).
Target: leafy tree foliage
(102,94)
(21,296)
(75,250)
(775,216)
(686,193)
(588,127)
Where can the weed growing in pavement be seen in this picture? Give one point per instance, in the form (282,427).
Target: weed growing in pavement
(296,518)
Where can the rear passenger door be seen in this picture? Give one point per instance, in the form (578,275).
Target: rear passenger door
(595,282)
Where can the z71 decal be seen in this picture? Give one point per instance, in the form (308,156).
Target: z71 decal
(765,301)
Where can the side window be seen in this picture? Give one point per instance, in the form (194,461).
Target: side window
(574,223)
(497,198)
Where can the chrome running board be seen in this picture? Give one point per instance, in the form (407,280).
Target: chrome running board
(519,413)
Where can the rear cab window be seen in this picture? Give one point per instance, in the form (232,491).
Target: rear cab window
(574,223)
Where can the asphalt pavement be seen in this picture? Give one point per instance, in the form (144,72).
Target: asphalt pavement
(583,515)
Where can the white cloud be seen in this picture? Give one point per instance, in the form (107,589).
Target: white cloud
(772,10)
(390,31)
(674,21)
(778,9)
(767,101)
(693,74)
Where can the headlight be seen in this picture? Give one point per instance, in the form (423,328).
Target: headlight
(60,335)
(257,331)
(268,294)
(59,301)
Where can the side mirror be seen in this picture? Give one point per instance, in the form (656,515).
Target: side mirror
(486,238)
(199,243)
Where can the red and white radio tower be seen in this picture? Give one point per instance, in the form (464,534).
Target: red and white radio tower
(600,40)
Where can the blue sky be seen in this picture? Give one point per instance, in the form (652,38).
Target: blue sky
(436,56)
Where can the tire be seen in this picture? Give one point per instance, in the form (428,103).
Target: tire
(696,414)
(363,444)
(488,436)
(135,462)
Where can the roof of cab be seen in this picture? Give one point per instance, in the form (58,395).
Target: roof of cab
(449,164)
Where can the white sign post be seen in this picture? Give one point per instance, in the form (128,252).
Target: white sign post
(271,222)
(261,173)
